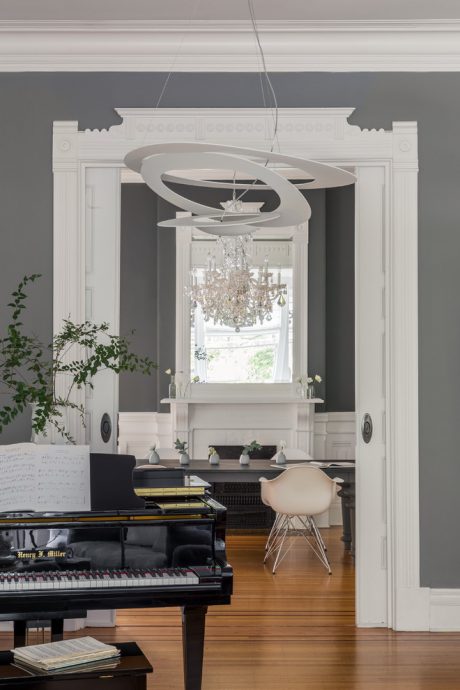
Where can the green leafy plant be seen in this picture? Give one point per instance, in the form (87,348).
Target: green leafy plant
(32,372)
(261,365)
(180,446)
(250,447)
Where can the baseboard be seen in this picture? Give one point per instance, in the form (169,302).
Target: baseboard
(445,610)
(425,609)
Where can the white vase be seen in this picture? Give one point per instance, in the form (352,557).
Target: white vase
(154,458)
(244,459)
(280,458)
(214,459)
(184,459)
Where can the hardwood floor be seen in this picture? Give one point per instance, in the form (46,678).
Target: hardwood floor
(292,631)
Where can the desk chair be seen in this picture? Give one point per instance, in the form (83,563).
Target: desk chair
(296,495)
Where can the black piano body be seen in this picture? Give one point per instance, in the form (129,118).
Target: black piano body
(135,554)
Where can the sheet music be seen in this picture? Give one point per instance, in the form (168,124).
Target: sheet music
(49,478)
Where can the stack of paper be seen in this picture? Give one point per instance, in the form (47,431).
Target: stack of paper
(69,653)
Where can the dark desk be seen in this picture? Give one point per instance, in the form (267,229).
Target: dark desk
(231,472)
(130,674)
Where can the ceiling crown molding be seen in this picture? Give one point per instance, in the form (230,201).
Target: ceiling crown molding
(211,46)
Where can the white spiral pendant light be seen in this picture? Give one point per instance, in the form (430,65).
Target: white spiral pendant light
(160,164)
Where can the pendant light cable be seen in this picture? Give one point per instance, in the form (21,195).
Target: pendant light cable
(262,73)
(176,56)
(265,72)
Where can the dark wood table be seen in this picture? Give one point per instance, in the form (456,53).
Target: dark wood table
(231,471)
(130,674)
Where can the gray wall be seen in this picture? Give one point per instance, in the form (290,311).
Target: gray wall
(340,299)
(139,292)
(29,104)
(148,295)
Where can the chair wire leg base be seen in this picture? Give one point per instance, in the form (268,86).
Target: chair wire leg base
(276,536)
(288,525)
(273,531)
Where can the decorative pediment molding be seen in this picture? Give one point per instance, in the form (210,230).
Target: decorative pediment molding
(228,46)
(317,133)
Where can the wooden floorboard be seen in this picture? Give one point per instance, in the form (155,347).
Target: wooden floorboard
(292,631)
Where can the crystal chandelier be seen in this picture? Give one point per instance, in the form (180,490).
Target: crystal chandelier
(234,294)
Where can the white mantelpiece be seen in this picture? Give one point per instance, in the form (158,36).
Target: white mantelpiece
(236,420)
(242,400)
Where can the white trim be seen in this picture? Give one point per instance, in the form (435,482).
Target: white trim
(183,304)
(300,306)
(445,610)
(325,135)
(228,46)
(410,610)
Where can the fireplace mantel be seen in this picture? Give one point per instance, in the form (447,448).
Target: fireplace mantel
(238,419)
(243,400)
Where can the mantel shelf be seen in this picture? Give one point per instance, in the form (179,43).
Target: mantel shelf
(275,400)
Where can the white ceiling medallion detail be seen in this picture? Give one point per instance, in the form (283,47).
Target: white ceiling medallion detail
(228,46)
(154,162)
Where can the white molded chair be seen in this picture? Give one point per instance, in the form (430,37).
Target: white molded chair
(297,495)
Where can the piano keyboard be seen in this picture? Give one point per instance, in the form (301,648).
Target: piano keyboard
(98,579)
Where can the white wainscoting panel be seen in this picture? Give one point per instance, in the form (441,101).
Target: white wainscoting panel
(334,434)
(140,430)
(335,439)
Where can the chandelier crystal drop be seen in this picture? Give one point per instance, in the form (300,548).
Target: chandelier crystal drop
(234,294)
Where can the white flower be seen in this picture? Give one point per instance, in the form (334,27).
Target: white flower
(168,371)
(309,379)
(318,378)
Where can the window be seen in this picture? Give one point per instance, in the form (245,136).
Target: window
(257,354)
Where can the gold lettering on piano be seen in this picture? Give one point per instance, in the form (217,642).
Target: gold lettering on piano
(39,553)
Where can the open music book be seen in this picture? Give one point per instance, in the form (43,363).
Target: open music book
(44,478)
(57,655)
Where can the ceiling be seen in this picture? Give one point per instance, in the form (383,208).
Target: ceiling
(351,10)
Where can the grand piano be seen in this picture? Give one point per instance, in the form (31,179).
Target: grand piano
(127,552)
